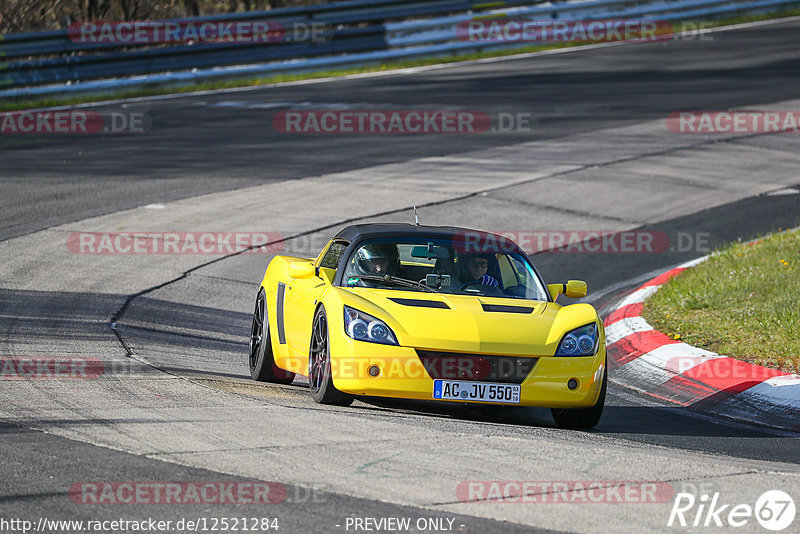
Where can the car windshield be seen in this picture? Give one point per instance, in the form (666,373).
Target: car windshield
(442,266)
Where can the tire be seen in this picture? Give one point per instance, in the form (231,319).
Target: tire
(320,379)
(262,363)
(583,417)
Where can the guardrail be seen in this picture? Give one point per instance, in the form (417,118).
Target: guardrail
(58,42)
(344,33)
(355,33)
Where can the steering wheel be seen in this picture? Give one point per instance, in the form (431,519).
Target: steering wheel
(487,290)
(471,283)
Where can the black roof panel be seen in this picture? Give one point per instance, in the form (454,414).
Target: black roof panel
(360,232)
(357,231)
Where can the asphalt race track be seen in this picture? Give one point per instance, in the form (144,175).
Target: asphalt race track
(175,403)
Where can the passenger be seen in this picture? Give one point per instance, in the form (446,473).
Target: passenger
(477,268)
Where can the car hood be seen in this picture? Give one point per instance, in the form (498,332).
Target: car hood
(471,323)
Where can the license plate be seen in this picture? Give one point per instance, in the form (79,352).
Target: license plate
(467,390)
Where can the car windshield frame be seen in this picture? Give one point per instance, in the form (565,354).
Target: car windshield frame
(537,292)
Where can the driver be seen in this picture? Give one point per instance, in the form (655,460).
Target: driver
(477,266)
(378,259)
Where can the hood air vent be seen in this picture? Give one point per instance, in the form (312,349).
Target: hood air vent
(420,303)
(504,308)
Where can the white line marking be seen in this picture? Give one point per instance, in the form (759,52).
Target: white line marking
(626,327)
(640,295)
(692,263)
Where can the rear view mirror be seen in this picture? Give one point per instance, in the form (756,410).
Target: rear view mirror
(429,252)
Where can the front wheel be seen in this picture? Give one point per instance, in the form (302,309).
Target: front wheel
(262,363)
(583,417)
(320,379)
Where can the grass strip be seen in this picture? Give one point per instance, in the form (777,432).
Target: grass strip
(743,302)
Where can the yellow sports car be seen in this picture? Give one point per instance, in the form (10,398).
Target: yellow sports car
(434,313)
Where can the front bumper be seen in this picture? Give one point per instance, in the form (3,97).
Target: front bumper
(402,375)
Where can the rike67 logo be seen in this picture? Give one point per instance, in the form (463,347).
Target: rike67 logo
(774,510)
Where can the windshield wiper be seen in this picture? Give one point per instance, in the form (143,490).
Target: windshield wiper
(395,280)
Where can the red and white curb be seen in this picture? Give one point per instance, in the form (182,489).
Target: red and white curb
(652,362)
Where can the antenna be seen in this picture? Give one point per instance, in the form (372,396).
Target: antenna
(416,218)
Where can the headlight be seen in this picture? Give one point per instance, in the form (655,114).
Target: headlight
(364,327)
(580,342)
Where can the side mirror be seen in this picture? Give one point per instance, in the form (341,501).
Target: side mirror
(574,289)
(301,269)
